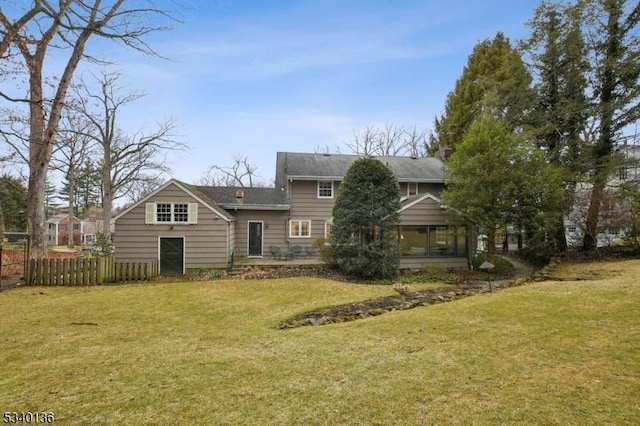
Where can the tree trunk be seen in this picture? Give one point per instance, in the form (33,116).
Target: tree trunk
(560,236)
(590,241)
(71,179)
(107,194)
(40,150)
(491,244)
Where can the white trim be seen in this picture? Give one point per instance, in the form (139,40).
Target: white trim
(184,250)
(420,199)
(300,220)
(183,188)
(324,196)
(261,222)
(327,222)
(417,188)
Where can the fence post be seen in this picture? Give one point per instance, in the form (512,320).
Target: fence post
(27,262)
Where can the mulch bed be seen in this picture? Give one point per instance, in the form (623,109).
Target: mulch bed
(374,307)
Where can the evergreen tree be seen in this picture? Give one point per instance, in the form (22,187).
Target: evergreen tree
(495,79)
(614,52)
(51,199)
(365,219)
(557,52)
(87,188)
(13,204)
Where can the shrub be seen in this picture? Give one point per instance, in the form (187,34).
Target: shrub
(327,253)
(502,267)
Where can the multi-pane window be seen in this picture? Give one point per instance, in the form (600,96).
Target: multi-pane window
(163,212)
(325,189)
(181,212)
(171,212)
(300,228)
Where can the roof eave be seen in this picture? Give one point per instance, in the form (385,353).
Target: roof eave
(283,207)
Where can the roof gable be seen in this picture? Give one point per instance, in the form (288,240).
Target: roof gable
(409,202)
(209,204)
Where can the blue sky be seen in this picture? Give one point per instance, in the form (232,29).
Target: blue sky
(250,78)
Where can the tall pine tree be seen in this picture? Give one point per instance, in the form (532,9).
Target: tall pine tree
(561,107)
(614,52)
(495,79)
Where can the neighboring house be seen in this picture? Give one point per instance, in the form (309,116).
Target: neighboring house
(58,228)
(190,227)
(91,227)
(613,220)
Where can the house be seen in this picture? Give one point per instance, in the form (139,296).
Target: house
(58,228)
(93,225)
(189,227)
(614,218)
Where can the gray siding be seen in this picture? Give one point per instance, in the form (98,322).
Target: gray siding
(274,229)
(305,205)
(428,212)
(206,243)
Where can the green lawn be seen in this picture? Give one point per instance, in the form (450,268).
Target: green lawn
(565,352)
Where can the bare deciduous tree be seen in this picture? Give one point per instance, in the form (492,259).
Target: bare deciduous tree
(30,32)
(72,150)
(389,141)
(127,160)
(241,173)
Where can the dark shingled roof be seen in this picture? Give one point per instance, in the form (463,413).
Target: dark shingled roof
(295,165)
(252,197)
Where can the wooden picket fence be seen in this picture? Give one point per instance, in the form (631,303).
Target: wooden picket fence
(79,272)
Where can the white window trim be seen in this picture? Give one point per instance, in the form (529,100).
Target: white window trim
(291,221)
(416,187)
(327,222)
(151,214)
(318,189)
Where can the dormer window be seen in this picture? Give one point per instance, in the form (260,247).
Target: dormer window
(325,189)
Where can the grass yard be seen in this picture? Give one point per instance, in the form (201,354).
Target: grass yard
(557,352)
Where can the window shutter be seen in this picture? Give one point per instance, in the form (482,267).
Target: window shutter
(149,213)
(193,213)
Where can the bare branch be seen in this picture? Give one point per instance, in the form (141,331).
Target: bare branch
(242,173)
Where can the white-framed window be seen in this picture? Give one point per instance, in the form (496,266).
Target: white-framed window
(163,212)
(412,188)
(327,229)
(171,213)
(181,212)
(299,228)
(325,189)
